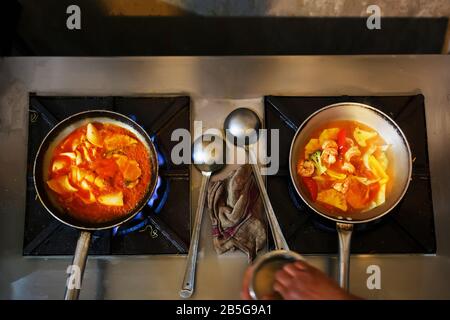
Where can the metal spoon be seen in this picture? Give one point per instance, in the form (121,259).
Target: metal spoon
(207,162)
(242,125)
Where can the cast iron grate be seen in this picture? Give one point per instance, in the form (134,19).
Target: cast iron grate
(162,228)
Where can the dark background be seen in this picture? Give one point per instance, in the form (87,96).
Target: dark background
(38,27)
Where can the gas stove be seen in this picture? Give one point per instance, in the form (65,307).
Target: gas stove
(409,228)
(162,227)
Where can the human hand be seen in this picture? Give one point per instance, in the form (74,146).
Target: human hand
(301,281)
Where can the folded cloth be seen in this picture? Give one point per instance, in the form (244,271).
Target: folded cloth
(236,212)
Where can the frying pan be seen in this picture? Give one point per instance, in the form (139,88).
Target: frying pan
(40,173)
(399,156)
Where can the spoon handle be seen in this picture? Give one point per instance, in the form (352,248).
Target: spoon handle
(280,241)
(187,288)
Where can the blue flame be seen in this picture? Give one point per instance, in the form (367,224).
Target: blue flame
(119,232)
(154,197)
(140,217)
(163,199)
(159,155)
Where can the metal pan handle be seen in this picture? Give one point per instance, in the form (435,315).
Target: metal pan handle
(345,236)
(76,269)
(278,237)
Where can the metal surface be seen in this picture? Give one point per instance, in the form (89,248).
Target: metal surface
(399,158)
(77,267)
(207,162)
(243,126)
(159,277)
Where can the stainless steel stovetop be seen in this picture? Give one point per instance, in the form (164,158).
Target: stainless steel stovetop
(404,276)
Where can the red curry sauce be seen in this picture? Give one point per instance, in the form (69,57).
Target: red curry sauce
(99,172)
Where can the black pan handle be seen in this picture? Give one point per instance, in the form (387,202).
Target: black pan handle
(76,269)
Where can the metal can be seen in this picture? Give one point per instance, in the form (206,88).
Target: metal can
(262,277)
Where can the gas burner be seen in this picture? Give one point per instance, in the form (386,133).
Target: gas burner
(162,226)
(409,228)
(154,206)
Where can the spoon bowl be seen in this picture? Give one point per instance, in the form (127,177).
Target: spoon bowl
(242,126)
(208,153)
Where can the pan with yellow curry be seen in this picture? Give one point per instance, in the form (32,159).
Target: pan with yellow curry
(350,163)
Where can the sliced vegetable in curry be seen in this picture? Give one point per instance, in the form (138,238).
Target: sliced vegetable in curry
(344,166)
(99,172)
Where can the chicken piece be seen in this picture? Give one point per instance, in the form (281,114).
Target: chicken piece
(118,141)
(132,171)
(129,168)
(122,161)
